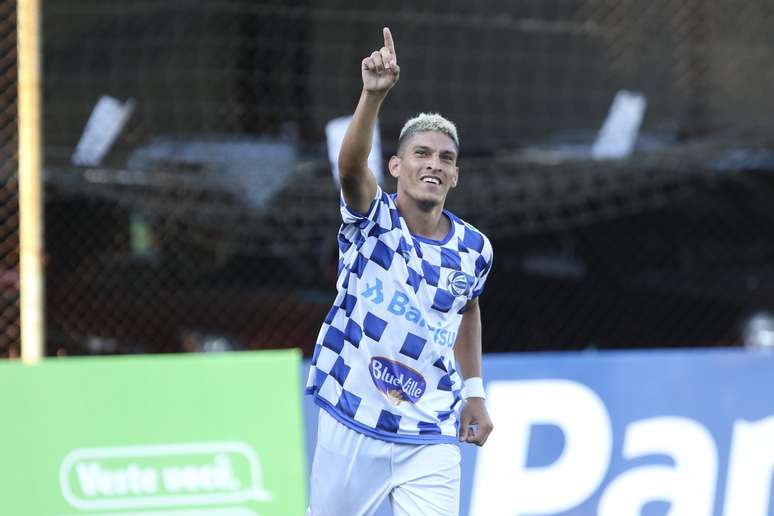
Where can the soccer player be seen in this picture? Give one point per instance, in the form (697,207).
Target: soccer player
(383,370)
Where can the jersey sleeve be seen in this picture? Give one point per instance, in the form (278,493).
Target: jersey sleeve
(381,217)
(350,216)
(483,267)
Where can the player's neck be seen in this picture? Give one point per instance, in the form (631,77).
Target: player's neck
(423,220)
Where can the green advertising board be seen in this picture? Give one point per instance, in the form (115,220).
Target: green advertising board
(171,435)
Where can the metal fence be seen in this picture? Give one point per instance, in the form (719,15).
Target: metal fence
(9,207)
(210,221)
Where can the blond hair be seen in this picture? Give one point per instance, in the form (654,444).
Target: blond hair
(427,122)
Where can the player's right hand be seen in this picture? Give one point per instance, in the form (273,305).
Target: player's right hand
(380,70)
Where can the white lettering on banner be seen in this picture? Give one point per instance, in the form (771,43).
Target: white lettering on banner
(748,490)
(218,476)
(503,484)
(689,485)
(133,479)
(162,475)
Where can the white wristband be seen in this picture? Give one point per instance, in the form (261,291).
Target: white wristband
(473,388)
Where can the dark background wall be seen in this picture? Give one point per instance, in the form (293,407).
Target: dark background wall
(671,247)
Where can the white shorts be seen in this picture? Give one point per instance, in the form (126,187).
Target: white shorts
(352,474)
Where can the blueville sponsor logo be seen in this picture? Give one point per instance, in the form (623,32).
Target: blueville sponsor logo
(400,305)
(398,381)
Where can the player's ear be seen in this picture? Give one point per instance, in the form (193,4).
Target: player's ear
(455,177)
(394,166)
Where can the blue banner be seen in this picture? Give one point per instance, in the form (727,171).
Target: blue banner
(678,433)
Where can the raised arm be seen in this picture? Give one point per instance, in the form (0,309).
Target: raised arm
(380,72)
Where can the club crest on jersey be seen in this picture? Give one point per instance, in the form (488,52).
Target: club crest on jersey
(397,381)
(457,283)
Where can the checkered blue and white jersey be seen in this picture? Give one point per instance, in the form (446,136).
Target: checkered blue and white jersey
(383,363)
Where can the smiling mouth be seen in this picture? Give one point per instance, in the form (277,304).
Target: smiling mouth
(431,180)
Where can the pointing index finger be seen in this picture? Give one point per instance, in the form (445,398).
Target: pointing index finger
(389,43)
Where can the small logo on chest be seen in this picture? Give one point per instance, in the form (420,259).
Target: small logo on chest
(457,283)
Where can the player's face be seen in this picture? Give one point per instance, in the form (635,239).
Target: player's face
(426,167)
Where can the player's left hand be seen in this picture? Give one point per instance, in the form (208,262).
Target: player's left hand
(474,413)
